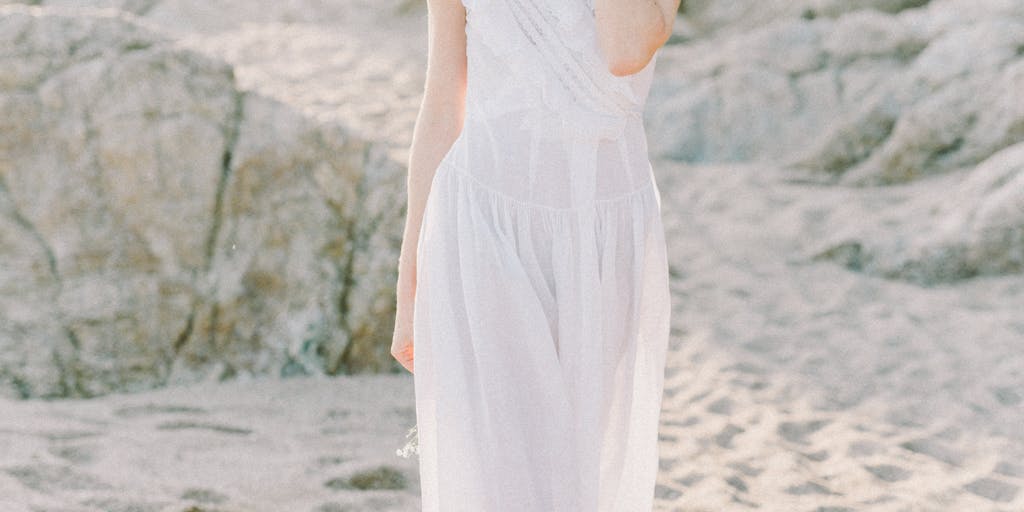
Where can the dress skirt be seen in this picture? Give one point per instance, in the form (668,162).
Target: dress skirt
(526,402)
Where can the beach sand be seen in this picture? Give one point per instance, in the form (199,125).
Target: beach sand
(792,385)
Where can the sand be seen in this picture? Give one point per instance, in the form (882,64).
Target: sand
(792,385)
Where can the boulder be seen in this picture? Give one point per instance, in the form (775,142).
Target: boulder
(956,105)
(920,96)
(883,97)
(765,94)
(974,229)
(734,16)
(160,224)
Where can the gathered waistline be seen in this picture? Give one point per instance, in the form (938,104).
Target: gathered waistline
(451,166)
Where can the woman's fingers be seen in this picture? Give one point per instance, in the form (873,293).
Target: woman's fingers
(401,341)
(403,352)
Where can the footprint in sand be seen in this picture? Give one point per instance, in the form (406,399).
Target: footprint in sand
(993,489)
(809,488)
(1008,468)
(724,437)
(330,460)
(690,479)
(405,413)
(688,422)
(381,477)
(200,495)
(888,472)
(817,456)
(376,503)
(52,478)
(667,438)
(864,448)
(737,483)
(337,414)
(333,507)
(934,449)
(186,424)
(797,431)
(69,435)
(134,411)
(75,454)
(1007,396)
(664,492)
(745,468)
(671,391)
(723,406)
(116,505)
(698,397)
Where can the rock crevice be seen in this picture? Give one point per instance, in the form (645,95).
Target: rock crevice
(161,224)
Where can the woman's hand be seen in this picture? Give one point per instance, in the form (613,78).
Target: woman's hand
(401,340)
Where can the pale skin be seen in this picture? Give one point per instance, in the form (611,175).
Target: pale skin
(629,32)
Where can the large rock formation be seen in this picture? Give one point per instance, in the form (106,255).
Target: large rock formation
(843,86)
(975,226)
(865,93)
(157,223)
(190,188)
(313,55)
(715,16)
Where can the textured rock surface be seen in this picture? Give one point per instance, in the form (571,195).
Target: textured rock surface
(951,108)
(872,93)
(710,16)
(209,132)
(313,55)
(160,224)
(792,383)
(975,228)
(837,91)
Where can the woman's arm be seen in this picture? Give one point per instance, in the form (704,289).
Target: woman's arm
(438,124)
(442,109)
(630,31)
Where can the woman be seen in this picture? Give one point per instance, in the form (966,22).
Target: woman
(533,280)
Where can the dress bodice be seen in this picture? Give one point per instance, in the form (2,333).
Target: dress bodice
(546,49)
(547,123)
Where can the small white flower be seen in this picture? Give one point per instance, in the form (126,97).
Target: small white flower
(411,446)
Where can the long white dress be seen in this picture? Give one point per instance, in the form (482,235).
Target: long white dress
(541,316)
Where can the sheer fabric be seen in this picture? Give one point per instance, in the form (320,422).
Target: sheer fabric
(541,317)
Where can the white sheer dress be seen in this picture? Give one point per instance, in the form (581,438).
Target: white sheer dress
(541,316)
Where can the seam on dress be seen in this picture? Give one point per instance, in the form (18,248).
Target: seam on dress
(519,203)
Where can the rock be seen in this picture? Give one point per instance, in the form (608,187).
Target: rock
(882,97)
(968,111)
(758,95)
(158,224)
(864,94)
(975,229)
(308,54)
(735,16)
